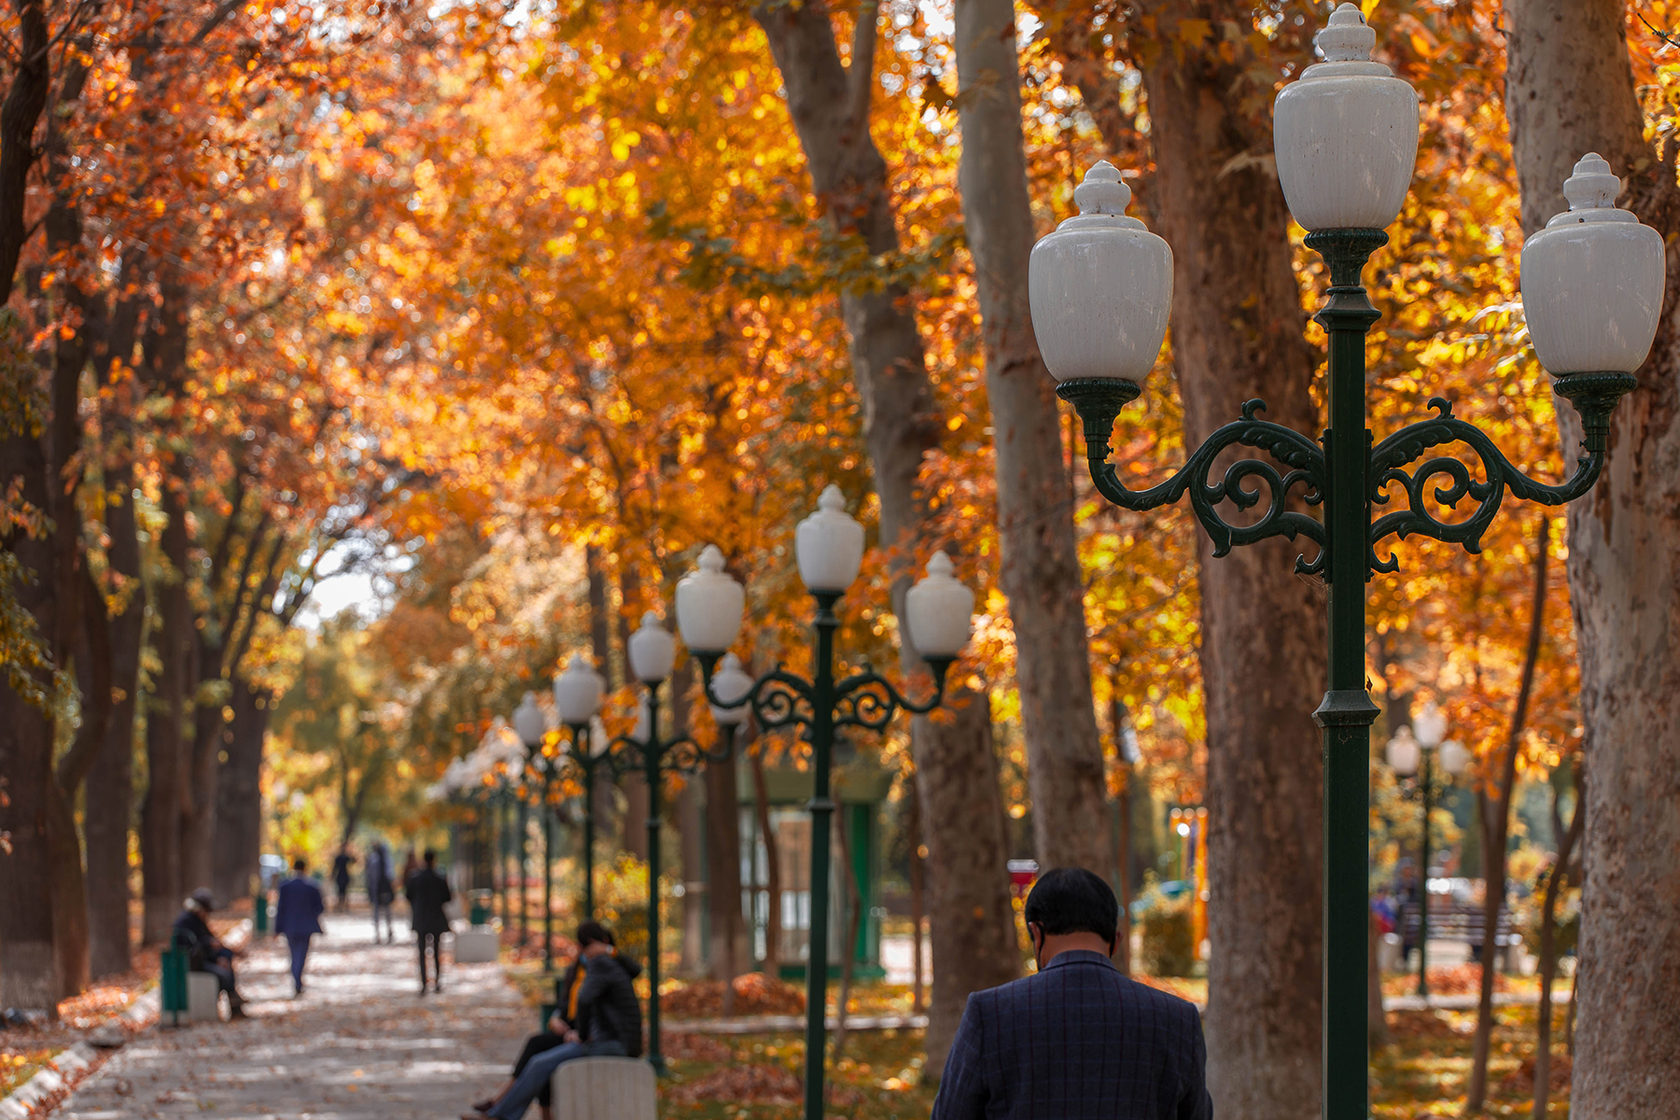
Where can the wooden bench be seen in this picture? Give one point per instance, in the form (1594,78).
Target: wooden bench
(605,1088)
(1459,921)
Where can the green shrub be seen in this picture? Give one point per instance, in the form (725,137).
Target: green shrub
(1165,932)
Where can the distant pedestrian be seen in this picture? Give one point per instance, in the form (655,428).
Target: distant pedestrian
(297,917)
(377,875)
(205,951)
(342,863)
(1078,1037)
(428,893)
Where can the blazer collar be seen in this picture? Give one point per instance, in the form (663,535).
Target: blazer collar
(1077,956)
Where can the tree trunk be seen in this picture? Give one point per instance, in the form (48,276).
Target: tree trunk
(723,874)
(1566,840)
(1039,569)
(1624,577)
(26,99)
(198,792)
(1122,813)
(772,869)
(238,820)
(109,795)
(1496,823)
(160,835)
(918,896)
(957,773)
(1237,334)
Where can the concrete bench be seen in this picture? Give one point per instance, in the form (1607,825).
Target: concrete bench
(203,998)
(608,1088)
(476,946)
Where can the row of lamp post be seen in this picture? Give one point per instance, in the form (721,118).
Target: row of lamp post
(1345,136)
(1412,744)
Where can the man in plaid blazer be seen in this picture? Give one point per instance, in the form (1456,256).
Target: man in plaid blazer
(1077,1040)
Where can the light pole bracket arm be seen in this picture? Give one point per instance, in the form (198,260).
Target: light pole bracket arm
(1244,483)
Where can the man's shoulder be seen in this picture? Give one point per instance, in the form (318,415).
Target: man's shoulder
(1128,990)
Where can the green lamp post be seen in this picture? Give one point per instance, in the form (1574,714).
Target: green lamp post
(531,724)
(577,699)
(653,652)
(1346,141)
(829,550)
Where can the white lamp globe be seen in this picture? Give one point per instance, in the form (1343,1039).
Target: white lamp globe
(709,604)
(731,683)
(1592,280)
(653,650)
(1403,753)
(644,722)
(1455,757)
(829,545)
(1100,286)
(1346,133)
(529,722)
(939,611)
(578,691)
(1429,726)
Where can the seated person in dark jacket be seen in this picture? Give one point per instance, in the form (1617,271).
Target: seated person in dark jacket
(205,951)
(596,1013)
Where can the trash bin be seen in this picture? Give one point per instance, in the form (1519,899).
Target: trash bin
(479,913)
(172,983)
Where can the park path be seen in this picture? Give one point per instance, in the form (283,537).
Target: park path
(359,1043)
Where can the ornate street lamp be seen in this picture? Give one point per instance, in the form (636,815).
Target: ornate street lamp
(577,699)
(710,603)
(532,727)
(1405,750)
(1346,140)
(653,652)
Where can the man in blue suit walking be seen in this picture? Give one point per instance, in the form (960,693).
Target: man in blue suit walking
(1078,1040)
(297,917)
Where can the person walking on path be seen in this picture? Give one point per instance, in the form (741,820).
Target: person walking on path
(342,863)
(297,917)
(1078,1037)
(428,893)
(205,951)
(596,1014)
(377,875)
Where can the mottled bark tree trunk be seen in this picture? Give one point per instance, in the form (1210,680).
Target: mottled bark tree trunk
(1569,90)
(956,771)
(1039,568)
(723,872)
(238,820)
(1566,839)
(1237,334)
(772,869)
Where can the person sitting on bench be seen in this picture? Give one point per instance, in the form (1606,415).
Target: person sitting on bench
(596,1014)
(205,951)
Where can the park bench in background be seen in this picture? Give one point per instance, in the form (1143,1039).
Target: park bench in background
(1452,920)
(620,1088)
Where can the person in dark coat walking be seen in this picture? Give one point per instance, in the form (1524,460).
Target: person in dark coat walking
(205,951)
(297,917)
(596,1013)
(342,863)
(1078,1038)
(427,893)
(380,890)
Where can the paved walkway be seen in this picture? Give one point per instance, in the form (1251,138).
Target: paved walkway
(359,1043)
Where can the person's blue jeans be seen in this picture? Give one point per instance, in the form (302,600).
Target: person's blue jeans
(539,1069)
(298,943)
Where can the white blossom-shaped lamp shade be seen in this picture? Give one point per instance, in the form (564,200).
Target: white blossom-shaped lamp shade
(1592,280)
(829,545)
(1455,757)
(1100,286)
(529,722)
(1346,133)
(709,604)
(653,650)
(939,610)
(578,691)
(1429,726)
(731,683)
(1403,752)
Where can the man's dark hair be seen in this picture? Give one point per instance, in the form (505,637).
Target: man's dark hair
(593,932)
(430,857)
(300,865)
(1073,900)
